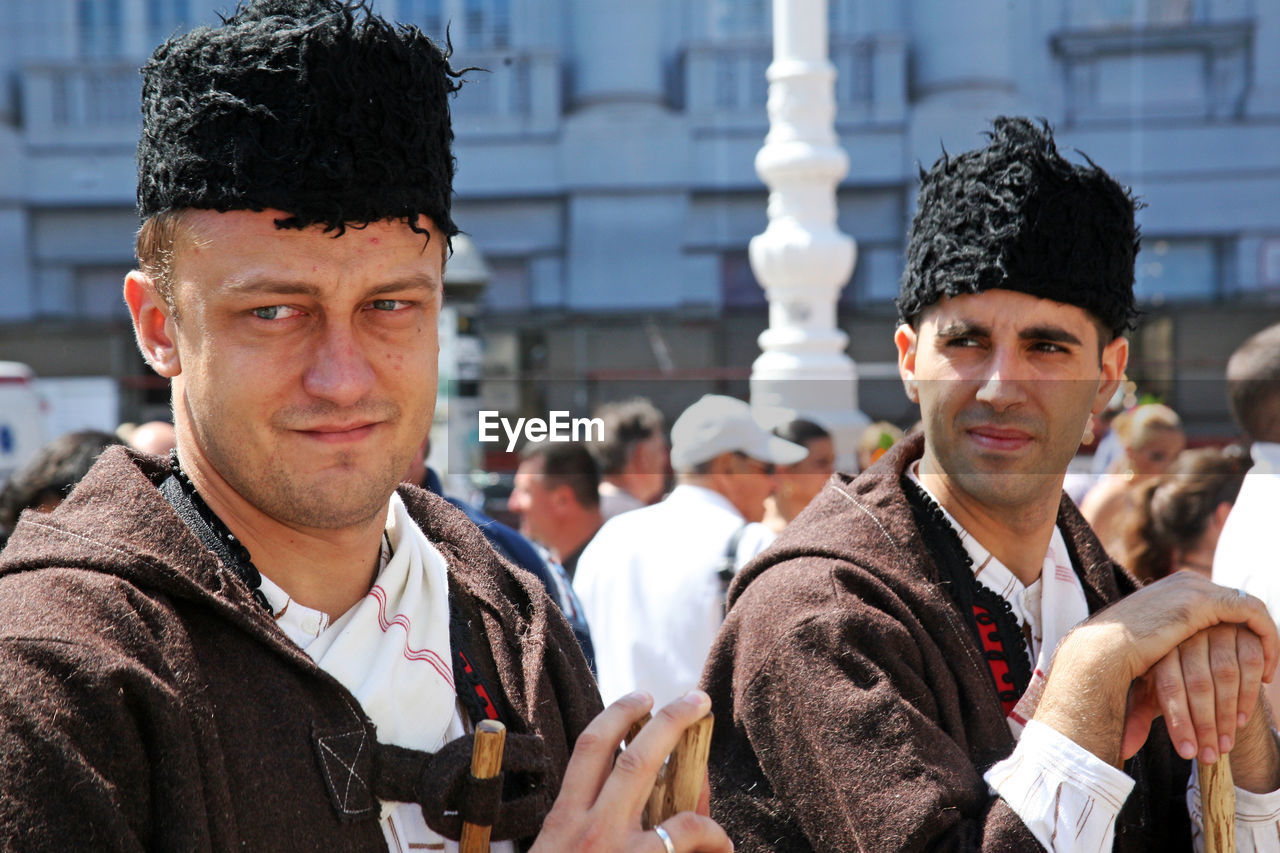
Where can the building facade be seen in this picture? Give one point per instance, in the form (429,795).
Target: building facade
(605,171)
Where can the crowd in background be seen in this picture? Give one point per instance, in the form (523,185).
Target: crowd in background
(1158,506)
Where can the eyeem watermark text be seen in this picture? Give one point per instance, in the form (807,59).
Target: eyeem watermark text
(557,427)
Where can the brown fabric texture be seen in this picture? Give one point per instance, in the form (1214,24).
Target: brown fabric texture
(854,708)
(146,701)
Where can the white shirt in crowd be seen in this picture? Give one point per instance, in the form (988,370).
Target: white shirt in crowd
(1067,796)
(649,586)
(616,501)
(391,650)
(1248,553)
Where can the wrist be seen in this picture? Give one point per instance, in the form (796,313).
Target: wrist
(1086,695)
(1255,760)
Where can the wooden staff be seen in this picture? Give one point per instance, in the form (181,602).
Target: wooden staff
(680,783)
(1218,806)
(486,762)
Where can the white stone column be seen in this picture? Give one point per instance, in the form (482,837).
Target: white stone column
(802,260)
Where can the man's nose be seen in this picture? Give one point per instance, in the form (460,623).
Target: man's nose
(340,371)
(1004,383)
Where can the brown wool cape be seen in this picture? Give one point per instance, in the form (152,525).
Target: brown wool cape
(854,708)
(147,702)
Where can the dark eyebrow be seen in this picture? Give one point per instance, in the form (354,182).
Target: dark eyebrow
(963,328)
(1053,334)
(268,285)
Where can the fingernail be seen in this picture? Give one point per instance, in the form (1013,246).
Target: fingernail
(1242,718)
(696,698)
(1187,749)
(1224,744)
(1208,755)
(637,696)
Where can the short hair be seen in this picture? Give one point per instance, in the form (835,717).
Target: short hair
(626,424)
(1171,512)
(1016,215)
(801,431)
(1253,384)
(568,463)
(51,474)
(318,108)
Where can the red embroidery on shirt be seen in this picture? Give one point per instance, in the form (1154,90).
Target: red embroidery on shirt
(437,663)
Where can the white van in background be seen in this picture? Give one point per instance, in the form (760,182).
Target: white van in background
(21,417)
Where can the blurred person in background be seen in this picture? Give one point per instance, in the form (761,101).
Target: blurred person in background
(875,441)
(50,475)
(154,437)
(518,550)
(653,580)
(634,456)
(1151,437)
(1177,518)
(556,496)
(1248,554)
(796,485)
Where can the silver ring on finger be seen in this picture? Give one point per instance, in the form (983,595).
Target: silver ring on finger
(666,839)
(1242,593)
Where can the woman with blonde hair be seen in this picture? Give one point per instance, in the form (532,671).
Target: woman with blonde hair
(1151,437)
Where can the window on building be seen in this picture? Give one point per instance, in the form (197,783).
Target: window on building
(740,18)
(166,17)
(738,285)
(1177,269)
(96,293)
(471,24)
(1136,13)
(842,18)
(875,277)
(100,27)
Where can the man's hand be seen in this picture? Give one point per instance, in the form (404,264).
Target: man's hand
(1205,689)
(1087,695)
(601,800)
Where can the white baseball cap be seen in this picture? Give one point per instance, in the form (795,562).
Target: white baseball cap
(718,424)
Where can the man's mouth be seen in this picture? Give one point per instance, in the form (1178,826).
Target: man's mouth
(999,438)
(340,433)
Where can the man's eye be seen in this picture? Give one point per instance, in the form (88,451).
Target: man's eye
(1046,346)
(273,312)
(388,304)
(963,341)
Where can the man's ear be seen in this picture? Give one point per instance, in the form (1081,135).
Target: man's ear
(1114,359)
(905,338)
(152,324)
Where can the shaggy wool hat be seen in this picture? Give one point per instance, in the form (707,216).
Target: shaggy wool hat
(318,108)
(1016,215)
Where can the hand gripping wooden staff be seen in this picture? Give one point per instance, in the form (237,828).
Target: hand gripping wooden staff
(679,782)
(1218,805)
(486,762)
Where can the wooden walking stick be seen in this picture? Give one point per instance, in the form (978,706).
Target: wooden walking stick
(486,762)
(680,783)
(1218,805)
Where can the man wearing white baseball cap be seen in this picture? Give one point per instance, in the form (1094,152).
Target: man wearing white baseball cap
(652,581)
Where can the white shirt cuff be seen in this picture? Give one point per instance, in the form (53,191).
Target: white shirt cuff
(1257,816)
(1067,796)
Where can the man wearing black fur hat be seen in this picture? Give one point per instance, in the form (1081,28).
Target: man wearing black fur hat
(883,681)
(261,643)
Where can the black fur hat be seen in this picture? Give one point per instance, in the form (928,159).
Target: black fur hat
(318,108)
(1016,215)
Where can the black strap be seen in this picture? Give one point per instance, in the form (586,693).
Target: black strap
(992,623)
(729,566)
(186,509)
(480,697)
